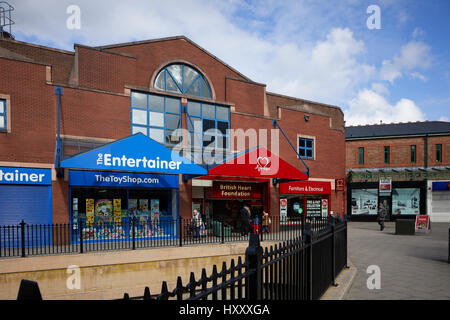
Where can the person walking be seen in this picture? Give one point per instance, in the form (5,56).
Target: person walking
(196,222)
(265,222)
(381,216)
(245,220)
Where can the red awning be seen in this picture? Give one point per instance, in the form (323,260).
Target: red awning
(259,163)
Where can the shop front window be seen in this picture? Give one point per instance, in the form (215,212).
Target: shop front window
(106,213)
(183,79)
(364,202)
(406,201)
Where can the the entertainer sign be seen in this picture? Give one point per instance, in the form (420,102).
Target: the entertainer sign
(135,153)
(29,176)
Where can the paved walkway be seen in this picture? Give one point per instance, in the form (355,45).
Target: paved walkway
(411,267)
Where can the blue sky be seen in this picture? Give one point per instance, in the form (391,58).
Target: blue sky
(317,50)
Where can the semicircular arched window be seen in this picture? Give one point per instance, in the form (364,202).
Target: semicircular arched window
(181,78)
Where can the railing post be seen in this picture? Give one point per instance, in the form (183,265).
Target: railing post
(222,227)
(333,251)
(22,238)
(448,245)
(309,261)
(80,228)
(133,232)
(180,231)
(253,257)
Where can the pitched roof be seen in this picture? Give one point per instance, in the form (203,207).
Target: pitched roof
(397,129)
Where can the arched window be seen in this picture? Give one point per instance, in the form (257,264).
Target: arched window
(181,78)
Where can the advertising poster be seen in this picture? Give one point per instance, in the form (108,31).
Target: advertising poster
(75,213)
(314,207)
(283,208)
(422,222)
(117,211)
(104,210)
(132,207)
(364,201)
(406,201)
(90,209)
(143,210)
(385,186)
(324,207)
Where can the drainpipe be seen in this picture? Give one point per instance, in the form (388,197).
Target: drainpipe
(426,177)
(59,93)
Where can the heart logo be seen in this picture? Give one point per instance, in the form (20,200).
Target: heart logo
(263,162)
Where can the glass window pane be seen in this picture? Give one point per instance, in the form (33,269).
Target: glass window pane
(208,124)
(170,85)
(206,91)
(208,140)
(222,113)
(194,90)
(405,201)
(173,137)
(208,111)
(2,106)
(136,129)
(139,116)
(195,139)
(301,152)
(138,100)
(302,143)
(156,103)
(309,153)
(175,70)
(157,135)
(194,124)
(194,109)
(309,143)
(222,127)
(222,142)
(157,119)
(173,105)
(173,121)
(189,76)
(159,82)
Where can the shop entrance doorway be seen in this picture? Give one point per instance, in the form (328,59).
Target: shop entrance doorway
(387,203)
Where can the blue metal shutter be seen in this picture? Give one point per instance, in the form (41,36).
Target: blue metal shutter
(28,203)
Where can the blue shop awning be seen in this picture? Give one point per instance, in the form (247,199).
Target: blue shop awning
(136,153)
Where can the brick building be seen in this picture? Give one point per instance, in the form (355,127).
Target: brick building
(62,111)
(414,157)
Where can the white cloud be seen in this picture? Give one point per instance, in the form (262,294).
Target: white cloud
(413,55)
(370,107)
(443,118)
(418,75)
(379,88)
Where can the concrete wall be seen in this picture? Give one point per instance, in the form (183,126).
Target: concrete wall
(108,275)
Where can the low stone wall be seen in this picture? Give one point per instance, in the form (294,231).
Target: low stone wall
(108,275)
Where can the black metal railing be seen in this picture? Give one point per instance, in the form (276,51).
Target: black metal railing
(38,239)
(301,268)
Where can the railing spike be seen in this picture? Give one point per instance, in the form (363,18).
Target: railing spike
(147,295)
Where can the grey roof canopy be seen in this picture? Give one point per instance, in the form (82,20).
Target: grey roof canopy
(397,129)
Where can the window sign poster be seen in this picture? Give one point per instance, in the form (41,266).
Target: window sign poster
(143,210)
(324,208)
(132,207)
(314,207)
(104,210)
(406,201)
(90,207)
(75,213)
(385,185)
(364,201)
(283,208)
(117,211)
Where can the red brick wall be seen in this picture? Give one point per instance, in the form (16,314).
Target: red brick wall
(399,152)
(248,97)
(33,113)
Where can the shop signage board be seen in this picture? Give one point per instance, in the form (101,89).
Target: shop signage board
(122,179)
(309,187)
(441,186)
(385,186)
(422,222)
(340,184)
(28,176)
(137,153)
(236,190)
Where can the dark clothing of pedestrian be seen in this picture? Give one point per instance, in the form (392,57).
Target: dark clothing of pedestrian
(245,221)
(381,216)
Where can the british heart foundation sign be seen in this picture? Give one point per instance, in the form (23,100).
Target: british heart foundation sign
(236,190)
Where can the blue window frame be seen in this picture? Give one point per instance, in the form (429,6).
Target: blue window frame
(3,115)
(306,148)
(183,79)
(209,124)
(156,116)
